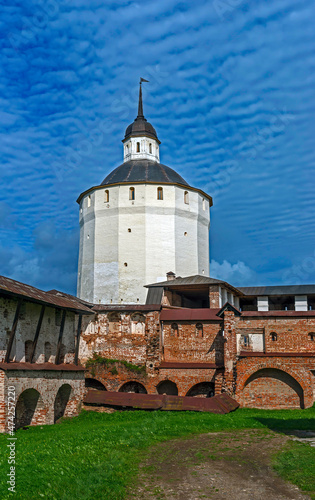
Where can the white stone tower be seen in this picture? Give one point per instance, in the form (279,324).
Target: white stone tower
(143,221)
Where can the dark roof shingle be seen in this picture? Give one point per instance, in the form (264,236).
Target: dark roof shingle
(54,298)
(278,290)
(143,171)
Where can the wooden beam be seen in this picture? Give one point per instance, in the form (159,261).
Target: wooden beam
(76,355)
(13,330)
(39,325)
(62,326)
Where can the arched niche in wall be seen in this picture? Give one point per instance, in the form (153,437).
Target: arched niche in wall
(167,387)
(133,386)
(114,323)
(138,323)
(202,390)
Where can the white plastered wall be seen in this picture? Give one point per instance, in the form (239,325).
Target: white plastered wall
(165,235)
(149,149)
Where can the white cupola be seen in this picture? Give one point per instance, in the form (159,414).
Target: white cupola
(141,141)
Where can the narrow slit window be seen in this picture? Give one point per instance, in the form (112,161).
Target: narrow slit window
(28,351)
(274,336)
(106,199)
(174,330)
(150,148)
(132,193)
(199,330)
(89,200)
(186,197)
(203,204)
(160,193)
(245,340)
(138,147)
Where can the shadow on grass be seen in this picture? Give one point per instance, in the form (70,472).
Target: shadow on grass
(287,424)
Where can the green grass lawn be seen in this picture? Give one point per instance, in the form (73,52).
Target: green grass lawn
(97,455)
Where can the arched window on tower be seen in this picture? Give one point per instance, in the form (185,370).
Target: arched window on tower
(106,197)
(150,148)
(186,197)
(138,147)
(160,193)
(131,193)
(89,200)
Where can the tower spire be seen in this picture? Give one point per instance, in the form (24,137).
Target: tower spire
(140,105)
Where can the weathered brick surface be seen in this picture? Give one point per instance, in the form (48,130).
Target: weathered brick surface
(283,376)
(113,339)
(292,333)
(288,381)
(275,373)
(214,296)
(188,345)
(229,352)
(184,379)
(36,390)
(47,384)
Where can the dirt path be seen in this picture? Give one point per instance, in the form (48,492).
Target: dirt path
(218,466)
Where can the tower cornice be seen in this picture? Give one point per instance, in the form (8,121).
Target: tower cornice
(134,183)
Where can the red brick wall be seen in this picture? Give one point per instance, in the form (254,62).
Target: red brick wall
(188,347)
(117,342)
(147,350)
(183,378)
(297,368)
(292,333)
(268,391)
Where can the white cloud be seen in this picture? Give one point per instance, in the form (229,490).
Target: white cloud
(238,274)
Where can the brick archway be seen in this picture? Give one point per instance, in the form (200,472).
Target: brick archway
(202,390)
(285,381)
(62,400)
(133,386)
(94,383)
(167,387)
(30,409)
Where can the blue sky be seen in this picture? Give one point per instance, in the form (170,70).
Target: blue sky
(231,95)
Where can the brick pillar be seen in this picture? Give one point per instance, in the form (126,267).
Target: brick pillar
(214,296)
(229,351)
(153,350)
(218,383)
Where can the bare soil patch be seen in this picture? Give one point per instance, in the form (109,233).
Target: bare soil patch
(224,465)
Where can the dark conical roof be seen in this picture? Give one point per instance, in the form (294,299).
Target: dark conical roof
(143,171)
(140,126)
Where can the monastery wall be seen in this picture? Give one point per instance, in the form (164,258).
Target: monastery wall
(47,341)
